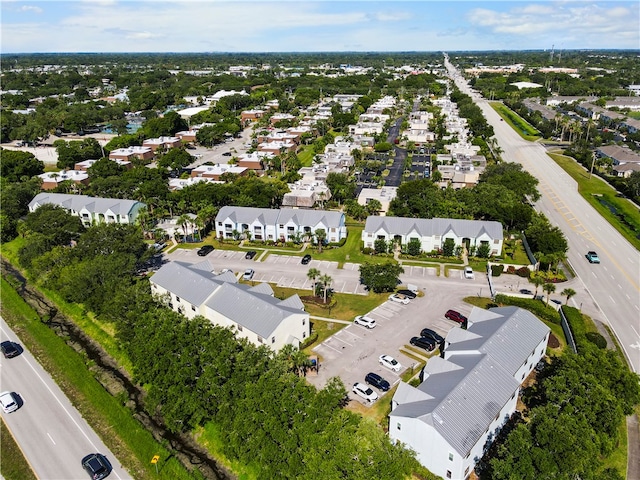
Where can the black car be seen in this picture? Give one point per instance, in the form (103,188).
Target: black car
(306,259)
(205,250)
(408,293)
(226,154)
(377,381)
(250,254)
(525,291)
(423,342)
(96,465)
(9,349)
(428,333)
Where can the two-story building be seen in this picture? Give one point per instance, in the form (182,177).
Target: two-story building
(284,224)
(467,395)
(91,210)
(433,232)
(252,312)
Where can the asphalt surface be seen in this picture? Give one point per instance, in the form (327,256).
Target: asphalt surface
(51,433)
(611,289)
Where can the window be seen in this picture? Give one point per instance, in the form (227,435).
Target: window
(399,426)
(273,339)
(496,241)
(219,224)
(177,298)
(466,472)
(304,334)
(282,225)
(450,457)
(304,321)
(239,328)
(260,340)
(448,473)
(193,308)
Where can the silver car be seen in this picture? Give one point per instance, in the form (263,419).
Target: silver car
(365,321)
(8,402)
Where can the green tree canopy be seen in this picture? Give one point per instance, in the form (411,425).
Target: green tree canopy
(16,165)
(380,277)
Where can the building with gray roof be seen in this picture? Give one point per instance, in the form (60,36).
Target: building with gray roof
(252,312)
(284,224)
(467,396)
(432,232)
(91,210)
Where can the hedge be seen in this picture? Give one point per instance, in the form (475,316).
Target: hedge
(537,307)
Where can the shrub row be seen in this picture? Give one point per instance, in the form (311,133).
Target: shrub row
(537,307)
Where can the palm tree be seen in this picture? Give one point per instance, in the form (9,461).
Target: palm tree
(312,274)
(549,288)
(326,282)
(568,292)
(321,235)
(537,281)
(184,221)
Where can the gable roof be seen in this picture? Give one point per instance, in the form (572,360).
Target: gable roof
(259,313)
(252,307)
(268,216)
(463,394)
(428,227)
(84,202)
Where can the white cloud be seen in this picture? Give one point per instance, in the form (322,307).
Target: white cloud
(30,8)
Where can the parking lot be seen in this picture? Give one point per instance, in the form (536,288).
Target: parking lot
(282,270)
(354,350)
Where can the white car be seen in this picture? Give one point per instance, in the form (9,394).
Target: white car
(365,392)
(248,274)
(365,321)
(399,298)
(468,273)
(390,362)
(8,402)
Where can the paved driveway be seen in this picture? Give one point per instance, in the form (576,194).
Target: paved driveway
(354,350)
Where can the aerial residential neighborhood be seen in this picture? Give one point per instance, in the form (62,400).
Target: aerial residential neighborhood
(333,263)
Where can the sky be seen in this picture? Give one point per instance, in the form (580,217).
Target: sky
(316,26)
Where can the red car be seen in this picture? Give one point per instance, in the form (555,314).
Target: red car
(455,316)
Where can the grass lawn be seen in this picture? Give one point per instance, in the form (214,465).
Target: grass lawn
(594,189)
(114,422)
(306,156)
(347,306)
(519,124)
(13,466)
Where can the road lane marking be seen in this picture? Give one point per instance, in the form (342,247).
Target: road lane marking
(612,299)
(51,438)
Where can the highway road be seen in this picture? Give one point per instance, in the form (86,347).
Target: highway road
(50,432)
(611,292)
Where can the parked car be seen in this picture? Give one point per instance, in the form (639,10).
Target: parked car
(306,259)
(96,465)
(389,362)
(8,402)
(365,321)
(408,293)
(427,344)
(250,254)
(248,274)
(226,154)
(428,333)
(377,381)
(455,316)
(525,291)
(468,273)
(399,298)
(593,257)
(9,349)
(365,392)
(205,250)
